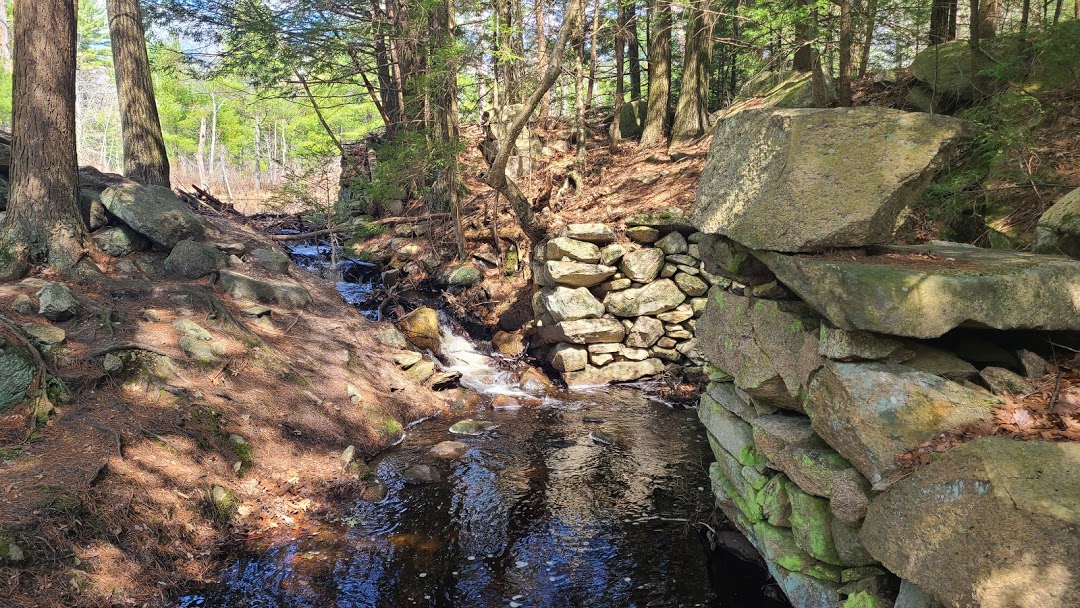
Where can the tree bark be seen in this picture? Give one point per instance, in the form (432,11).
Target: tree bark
(692,111)
(868,36)
(592,53)
(847,39)
(803,60)
(496,176)
(633,50)
(620,91)
(541,49)
(941,12)
(579,104)
(43,222)
(200,154)
(988,18)
(655,130)
(145,159)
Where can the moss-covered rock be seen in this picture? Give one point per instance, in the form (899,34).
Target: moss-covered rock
(774,501)
(731,432)
(421,327)
(810,525)
(769,347)
(779,546)
(16,375)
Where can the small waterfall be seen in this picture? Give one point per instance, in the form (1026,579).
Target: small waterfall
(479,371)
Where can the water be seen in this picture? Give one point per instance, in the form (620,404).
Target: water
(594,498)
(356,281)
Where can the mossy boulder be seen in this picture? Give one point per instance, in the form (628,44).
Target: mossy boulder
(730,432)
(193,260)
(768,346)
(923,291)
(119,241)
(873,412)
(458,275)
(805,182)
(632,118)
(993,522)
(778,545)
(16,375)
(1058,230)
(155,212)
(810,525)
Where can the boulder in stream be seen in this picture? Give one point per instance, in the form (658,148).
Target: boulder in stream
(421,327)
(449,450)
(470,427)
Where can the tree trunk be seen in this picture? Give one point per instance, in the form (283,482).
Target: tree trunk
(804,34)
(592,53)
(692,111)
(655,130)
(541,49)
(868,36)
(43,223)
(579,103)
(633,49)
(443,30)
(145,159)
(213,134)
(200,154)
(258,157)
(620,92)
(496,175)
(988,18)
(847,39)
(940,14)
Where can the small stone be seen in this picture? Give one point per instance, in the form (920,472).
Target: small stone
(421,474)
(470,427)
(22,304)
(611,254)
(448,450)
(119,241)
(642,265)
(601,359)
(1002,381)
(272,261)
(645,332)
(673,243)
(193,260)
(1034,366)
(683,312)
(46,336)
(643,234)
(668,271)
(347,456)
(592,233)
(56,302)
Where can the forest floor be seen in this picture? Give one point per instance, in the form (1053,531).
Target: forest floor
(110,499)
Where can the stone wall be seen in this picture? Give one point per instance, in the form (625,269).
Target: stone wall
(855,390)
(616,310)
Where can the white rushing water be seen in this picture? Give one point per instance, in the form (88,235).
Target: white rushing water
(480,372)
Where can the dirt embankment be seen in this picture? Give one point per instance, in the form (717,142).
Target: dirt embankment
(111,501)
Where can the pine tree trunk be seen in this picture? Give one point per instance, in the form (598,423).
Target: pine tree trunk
(592,53)
(633,50)
(692,111)
(43,222)
(655,130)
(620,91)
(579,104)
(868,36)
(847,39)
(145,159)
(988,18)
(804,33)
(541,49)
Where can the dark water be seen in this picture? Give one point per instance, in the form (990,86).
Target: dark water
(537,513)
(596,498)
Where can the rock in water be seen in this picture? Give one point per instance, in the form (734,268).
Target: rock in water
(807,182)
(155,212)
(449,450)
(993,522)
(420,474)
(470,427)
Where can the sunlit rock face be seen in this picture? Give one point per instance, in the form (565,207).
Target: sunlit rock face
(814,179)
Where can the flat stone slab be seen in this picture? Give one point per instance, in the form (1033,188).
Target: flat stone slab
(620,371)
(923,291)
(263,291)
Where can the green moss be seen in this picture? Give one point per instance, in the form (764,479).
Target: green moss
(222,503)
(810,524)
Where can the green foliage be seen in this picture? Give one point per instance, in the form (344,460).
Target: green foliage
(92,47)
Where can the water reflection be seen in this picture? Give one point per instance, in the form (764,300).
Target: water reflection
(534,514)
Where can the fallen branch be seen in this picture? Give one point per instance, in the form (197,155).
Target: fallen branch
(386,221)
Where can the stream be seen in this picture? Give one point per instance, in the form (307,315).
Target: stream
(594,498)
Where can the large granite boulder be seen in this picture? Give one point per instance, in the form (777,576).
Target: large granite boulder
(780,89)
(923,291)
(806,181)
(871,413)
(569,303)
(119,241)
(656,297)
(1058,230)
(769,346)
(619,371)
(263,291)
(155,212)
(991,523)
(946,68)
(192,260)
